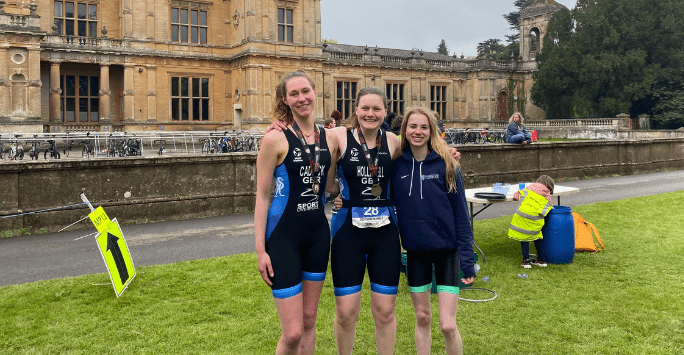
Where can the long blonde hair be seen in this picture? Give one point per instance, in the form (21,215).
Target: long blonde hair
(435,143)
(353,120)
(280,110)
(522,119)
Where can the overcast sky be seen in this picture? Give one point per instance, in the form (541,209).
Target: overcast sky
(422,24)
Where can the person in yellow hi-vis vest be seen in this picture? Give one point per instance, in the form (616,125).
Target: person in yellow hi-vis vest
(527,223)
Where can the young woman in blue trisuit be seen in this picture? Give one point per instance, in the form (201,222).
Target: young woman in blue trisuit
(434,226)
(292,231)
(364,230)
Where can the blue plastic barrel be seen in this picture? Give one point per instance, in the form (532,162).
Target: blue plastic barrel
(559,236)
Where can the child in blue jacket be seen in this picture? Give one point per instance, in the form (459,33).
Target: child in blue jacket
(434,225)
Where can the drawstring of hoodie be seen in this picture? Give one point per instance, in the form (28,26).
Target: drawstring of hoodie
(412,167)
(420,171)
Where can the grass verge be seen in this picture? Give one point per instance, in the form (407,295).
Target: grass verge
(626,300)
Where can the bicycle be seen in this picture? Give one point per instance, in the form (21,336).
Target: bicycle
(2,149)
(252,143)
(496,137)
(223,143)
(209,147)
(133,147)
(67,147)
(110,151)
(88,149)
(34,151)
(161,143)
(54,153)
(16,150)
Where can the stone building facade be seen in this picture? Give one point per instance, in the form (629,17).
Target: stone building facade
(135,65)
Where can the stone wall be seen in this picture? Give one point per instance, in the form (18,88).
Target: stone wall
(483,165)
(164,188)
(168,188)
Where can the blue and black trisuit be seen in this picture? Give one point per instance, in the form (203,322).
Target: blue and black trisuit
(297,230)
(354,248)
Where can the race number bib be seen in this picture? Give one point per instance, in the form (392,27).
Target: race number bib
(370,217)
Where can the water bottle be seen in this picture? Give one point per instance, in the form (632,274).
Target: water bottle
(486,279)
(477,268)
(522,276)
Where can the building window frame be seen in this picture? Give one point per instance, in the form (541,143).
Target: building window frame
(438,101)
(75,18)
(396,100)
(80,98)
(189,24)
(190,98)
(345,96)
(285,25)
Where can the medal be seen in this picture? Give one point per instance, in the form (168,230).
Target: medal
(376,190)
(313,161)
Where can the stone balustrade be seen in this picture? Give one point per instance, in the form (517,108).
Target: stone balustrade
(19,22)
(80,42)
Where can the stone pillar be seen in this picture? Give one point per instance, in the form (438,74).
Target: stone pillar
(105,94)
(55,92)
(317,15)
(128,92)
(151,93)
(33,104)
(318,80)
(455,99)
(150,19)
(4,82)
(127,19)
(492,100)
(251,102)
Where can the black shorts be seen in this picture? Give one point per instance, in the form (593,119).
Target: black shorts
(297,256)
(446,266)
(355,248)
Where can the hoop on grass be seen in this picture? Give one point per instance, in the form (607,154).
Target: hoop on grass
(476,300)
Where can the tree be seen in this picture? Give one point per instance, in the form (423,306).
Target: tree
(512,49)
(557,74)
(611,56)
(513,18)
(489,47)
(442,48)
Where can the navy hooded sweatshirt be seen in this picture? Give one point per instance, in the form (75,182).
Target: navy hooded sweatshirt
(430,219)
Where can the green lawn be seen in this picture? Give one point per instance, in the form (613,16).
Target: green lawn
(626,300)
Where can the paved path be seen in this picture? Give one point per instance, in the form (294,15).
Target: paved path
(39,257)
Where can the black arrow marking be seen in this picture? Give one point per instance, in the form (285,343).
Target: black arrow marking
(113,245)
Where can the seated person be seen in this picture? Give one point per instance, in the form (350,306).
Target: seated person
(516,132)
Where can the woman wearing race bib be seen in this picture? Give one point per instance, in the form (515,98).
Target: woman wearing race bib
(434,224)
(292,233)
(364,230)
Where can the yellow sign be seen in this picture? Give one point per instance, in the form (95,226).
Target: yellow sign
(100,219)
(115,253)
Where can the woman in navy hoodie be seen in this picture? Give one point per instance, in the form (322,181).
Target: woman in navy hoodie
(434,225)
